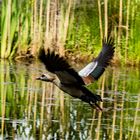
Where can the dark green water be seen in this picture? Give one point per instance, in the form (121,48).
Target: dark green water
(32,109)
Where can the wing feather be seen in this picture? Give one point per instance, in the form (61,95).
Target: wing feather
(88,69)
(96,68)
(59,66)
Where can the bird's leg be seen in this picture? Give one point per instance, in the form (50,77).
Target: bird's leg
(95,105)
(98,107)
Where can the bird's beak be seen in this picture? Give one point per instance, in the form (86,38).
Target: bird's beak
(37,78)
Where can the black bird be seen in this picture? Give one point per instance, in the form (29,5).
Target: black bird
(71,82)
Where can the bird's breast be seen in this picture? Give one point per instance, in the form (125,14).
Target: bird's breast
(71,90)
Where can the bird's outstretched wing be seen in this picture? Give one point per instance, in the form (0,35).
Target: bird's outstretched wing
(95,69)
(59,66)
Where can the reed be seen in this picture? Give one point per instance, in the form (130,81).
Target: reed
(3,103)
(100,20)
(61,25)
(106,18)
(127,30)
(42,112)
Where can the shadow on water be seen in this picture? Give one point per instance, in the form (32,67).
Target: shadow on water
(32,109)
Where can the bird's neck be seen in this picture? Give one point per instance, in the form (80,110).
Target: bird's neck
(56,82)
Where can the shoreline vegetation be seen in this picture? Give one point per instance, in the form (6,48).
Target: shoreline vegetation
(74,28)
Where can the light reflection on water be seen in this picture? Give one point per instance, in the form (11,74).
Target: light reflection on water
(32,109)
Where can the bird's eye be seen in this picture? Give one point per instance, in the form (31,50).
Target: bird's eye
(42,75)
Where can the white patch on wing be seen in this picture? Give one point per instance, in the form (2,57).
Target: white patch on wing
(88,69)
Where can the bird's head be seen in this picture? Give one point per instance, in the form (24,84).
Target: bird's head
(45,77)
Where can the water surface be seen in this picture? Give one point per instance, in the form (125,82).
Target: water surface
(33,109)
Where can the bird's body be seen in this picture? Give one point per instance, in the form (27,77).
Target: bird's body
(71,82)
(75,90)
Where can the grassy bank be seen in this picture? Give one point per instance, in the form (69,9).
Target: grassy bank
(70,26)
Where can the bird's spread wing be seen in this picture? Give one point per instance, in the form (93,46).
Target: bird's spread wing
(95,69)
(59,66)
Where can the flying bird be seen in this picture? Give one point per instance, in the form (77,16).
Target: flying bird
(72,82)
